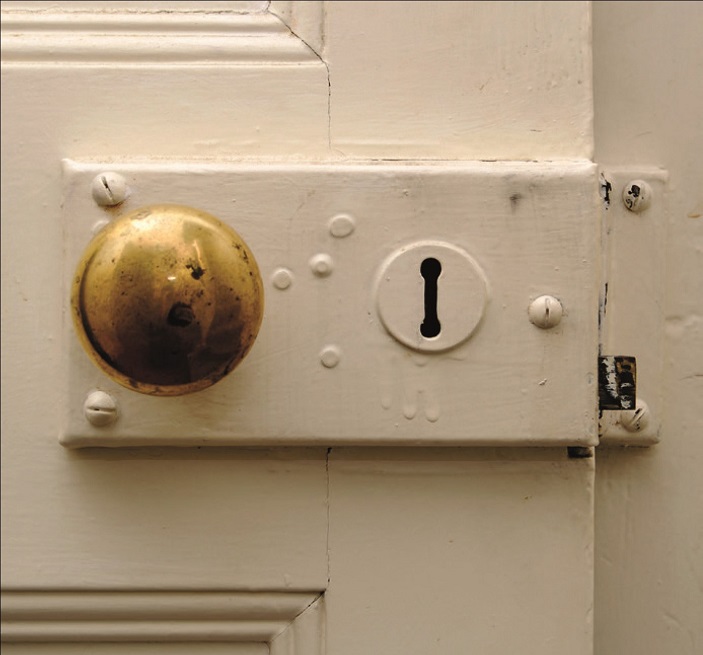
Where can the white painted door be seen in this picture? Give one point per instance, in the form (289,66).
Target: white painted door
(335,541)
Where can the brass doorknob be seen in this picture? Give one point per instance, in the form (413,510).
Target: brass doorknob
(167,300)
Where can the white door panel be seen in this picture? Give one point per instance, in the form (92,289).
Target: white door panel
(486,551)
(304,550)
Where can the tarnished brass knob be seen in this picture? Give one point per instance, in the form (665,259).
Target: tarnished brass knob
(167,300)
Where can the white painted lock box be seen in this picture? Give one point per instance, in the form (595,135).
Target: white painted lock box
(345,354)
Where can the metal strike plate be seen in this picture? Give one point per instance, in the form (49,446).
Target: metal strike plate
(632,307)
(342,357)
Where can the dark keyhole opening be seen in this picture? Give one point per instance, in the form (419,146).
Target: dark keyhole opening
(430,269)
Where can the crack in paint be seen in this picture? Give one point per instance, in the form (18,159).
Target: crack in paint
(327,500)
(323,62)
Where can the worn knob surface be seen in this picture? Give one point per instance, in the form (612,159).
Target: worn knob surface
(167,300)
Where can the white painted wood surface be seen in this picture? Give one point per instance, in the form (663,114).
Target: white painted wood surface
(307,20)
(283,622)
(213,77)
(649,502)
(490,555)
(508,80)
(101,520)
(172,6)
(133,37)
(373,532)
(107,648)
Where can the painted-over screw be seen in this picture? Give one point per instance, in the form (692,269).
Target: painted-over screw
(341,226)
(637,196)
(100,409)
(282,278)
(635,420)
(109,189)
(330,356)
(545,312)
(321,264)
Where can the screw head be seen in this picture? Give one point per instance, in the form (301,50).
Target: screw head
(100,409)
(330,356)
(321,265)
(341,226)
(282,278)
(545,312)
(637,196)
(109,189)
(635,420)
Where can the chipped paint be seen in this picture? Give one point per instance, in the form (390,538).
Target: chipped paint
(617,382)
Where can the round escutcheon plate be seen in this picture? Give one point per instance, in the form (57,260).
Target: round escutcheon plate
(431,295)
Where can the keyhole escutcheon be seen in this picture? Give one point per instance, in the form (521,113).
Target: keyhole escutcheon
(430,269)
(430,295)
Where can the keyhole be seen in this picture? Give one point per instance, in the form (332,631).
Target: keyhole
(430,269)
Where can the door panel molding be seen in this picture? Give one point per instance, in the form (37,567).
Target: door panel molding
(304,19)
(63,37)
(286,621)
